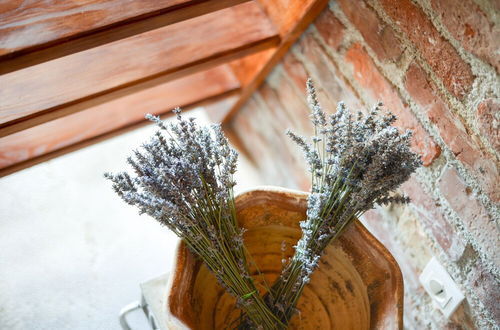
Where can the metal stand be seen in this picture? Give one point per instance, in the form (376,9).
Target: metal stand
(153,296)
(125,310)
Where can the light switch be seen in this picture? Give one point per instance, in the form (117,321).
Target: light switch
(440,286)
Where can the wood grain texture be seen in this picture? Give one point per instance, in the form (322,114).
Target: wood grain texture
(115,115)
(28,24)
(33,32)
(108,72)
(291,19)
(358,284)
(248,67)
(286,14)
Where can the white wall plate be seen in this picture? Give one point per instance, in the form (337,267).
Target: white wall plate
(440,286)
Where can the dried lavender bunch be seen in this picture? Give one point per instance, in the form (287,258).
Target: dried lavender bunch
(184,179)
(354,164)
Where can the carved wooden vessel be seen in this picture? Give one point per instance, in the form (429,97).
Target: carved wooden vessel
(358,284)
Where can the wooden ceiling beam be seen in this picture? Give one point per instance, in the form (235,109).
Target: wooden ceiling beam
(95,124)
(57,88)
(106,74)
(291,18)
(37,33)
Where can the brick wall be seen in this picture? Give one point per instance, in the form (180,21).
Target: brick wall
(435,64)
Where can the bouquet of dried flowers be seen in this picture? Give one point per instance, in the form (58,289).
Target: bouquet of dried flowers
(185,181)
(354,164)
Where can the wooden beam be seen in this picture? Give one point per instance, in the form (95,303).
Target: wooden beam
(80,129)
(248,67)
(95,76)
(291,18)
(37,32)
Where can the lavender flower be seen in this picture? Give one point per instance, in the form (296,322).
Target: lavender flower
(355,162)
(183,177)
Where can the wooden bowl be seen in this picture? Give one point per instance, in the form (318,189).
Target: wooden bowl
(358,284)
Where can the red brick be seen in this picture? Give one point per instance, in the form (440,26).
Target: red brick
(485,287)
(452,131)
(283,151)
(460,320)
(488,114)
(266,143)
(293,102)
(495,4)
(377,88)
(243,130)
(469,25)
(282,114)
(330,28)
(330,83)
(377,224)
(378,35)
(473,214)
(283,108)
(295,70)
(439,53)
(406,251)
(432,218)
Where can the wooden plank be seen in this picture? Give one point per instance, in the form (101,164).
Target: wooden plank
(72,132)
(37,32)
(248,67)
(291,18)
(77,82)
(37,23)
(287,15)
